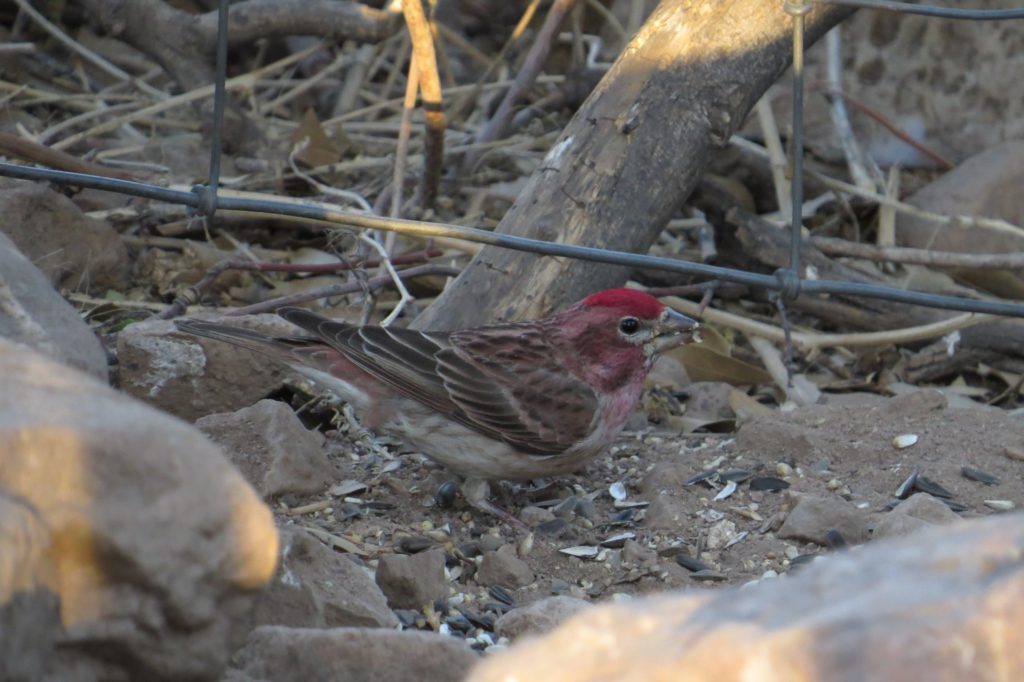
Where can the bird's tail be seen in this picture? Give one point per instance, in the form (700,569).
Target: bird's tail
(282,348)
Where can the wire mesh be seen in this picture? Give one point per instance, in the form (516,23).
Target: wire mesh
(206,199)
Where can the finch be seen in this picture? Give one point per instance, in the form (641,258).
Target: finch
(513,401)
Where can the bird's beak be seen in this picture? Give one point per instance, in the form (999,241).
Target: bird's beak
(674,329)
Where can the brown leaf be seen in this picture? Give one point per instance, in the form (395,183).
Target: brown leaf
(706,364)
(318,150)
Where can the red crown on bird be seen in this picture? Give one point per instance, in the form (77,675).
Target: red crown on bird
(630,301)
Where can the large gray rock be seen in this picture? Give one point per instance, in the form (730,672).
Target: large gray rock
(157,544)
(33,314)
(280,654)
(316,587)
(274,451)
(191,377)
(29,611)
(943,605)
(814,516)
(412,581)
(73,250)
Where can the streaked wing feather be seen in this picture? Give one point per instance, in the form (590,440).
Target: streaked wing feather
(501,381)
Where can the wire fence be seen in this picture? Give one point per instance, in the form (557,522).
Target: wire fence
(206,199)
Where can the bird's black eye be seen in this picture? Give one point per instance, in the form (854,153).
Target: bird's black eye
(629,325)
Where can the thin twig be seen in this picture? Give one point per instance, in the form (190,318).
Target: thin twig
(524,79)
(425,58)
(402,148)
(240,82)
(85,53)
(196,291)
(900,206)
(776,157)
(806,341)
(856,160)
(942,162)
(373,284)
(901,254)
(406,297)
(38,153)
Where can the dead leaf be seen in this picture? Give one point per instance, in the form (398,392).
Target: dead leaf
(705,364)
(318,150)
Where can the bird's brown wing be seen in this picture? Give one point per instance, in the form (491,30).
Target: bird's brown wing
(500,381)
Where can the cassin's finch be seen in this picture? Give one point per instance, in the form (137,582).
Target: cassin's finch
(511,401)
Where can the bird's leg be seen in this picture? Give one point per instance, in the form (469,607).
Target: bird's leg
(477,493)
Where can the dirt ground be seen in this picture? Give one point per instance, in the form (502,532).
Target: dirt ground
(646,540)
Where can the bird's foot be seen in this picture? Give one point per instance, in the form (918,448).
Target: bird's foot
(477,493)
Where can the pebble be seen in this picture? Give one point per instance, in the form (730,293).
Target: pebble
(534,516)
(503,567)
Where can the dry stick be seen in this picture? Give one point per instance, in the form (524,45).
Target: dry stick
(86,53)
(195,292)
(808,341)
(402,149)
(461,107)
(776,156)
(245,80)
(883,120)
(425,58)
(524,79)
(347,288)
(30,151)
(900,254)
(354,79)
(902,207)
(856,160)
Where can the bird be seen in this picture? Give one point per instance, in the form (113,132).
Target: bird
(510,401)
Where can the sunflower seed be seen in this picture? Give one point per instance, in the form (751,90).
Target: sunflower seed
(691,564)
(618,491)
(768,483)
(725,492)
(708,575)
(978,475)
(1000,505)
(702,476)
(927,485)
(907,487)
(581,551)
(904,440)
(501,594)
(738,475)
(617,541)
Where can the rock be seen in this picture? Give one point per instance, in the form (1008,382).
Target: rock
(634,552)
(892,610)
(192,377)
(413,581)
(535,516)
(918,512)
(721,533)
(316,587)
(709,400)
(985,185)
(29,612)
(665,476)
(538,618)
(278,654)
(36,316)
(73,250)
(774,438)
(275,452)
(813,517)
(158,543)
(665,512)
(914,403)
(504,568)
